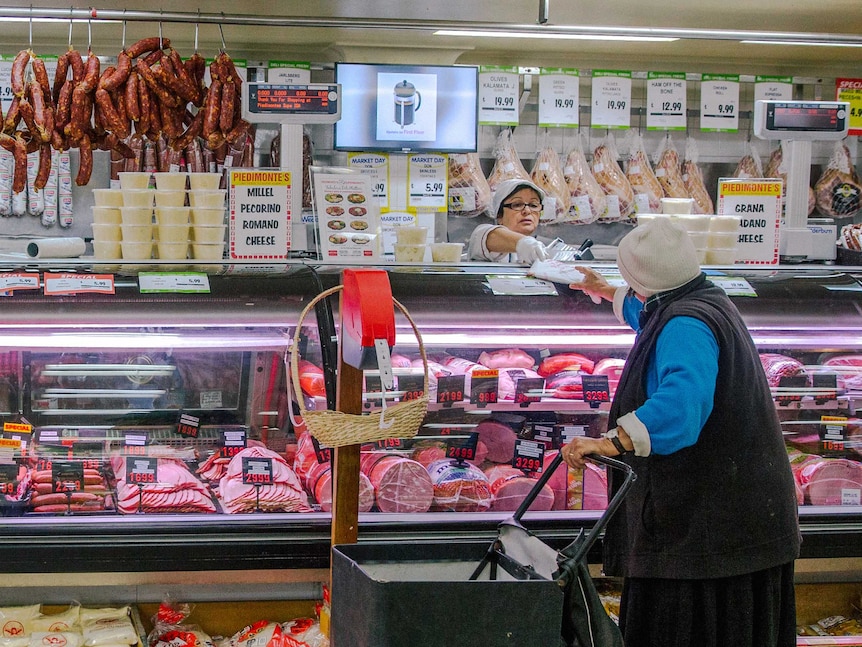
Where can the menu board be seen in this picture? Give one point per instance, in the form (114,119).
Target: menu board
(348,217)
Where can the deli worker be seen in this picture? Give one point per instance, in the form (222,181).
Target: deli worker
(517,205)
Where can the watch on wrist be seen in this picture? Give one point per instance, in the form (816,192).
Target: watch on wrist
(614,436)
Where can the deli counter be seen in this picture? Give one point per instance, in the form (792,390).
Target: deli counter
(93,385)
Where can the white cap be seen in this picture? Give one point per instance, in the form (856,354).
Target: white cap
(507,188)
(657,256)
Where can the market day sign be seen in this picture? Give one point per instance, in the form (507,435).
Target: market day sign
(757,204)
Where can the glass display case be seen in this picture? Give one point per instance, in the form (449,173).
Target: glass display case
(127,416)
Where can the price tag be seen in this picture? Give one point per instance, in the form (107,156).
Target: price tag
(135,442)
(412,385)
(791,388)
(462,449)
(233,442)
(376,167)
(666,101)
(390,443)
(850,90)
(851,496)
(6,81)
(19,281)
(773,88)
(528,389)
(548,435)
(8,478)
(612,99)
(188,425)
(567,432)
(757,204)
(323,453)
(61,283)
(483,387)
(427,179)
(596,389)
(498,95)
(186,282)
(734,286)
(450,389)
(256,470)
(67,476)
(20,432)
(559,94)
(825,387)
(719,102)
(529,456)
(288,72)
(142,470)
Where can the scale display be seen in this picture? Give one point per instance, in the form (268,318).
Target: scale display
(299,103)
(812,120)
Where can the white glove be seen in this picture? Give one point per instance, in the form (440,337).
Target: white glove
(530,250)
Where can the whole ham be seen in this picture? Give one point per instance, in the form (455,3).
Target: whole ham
(459,487)
(510,486)
(750,165)
(647,188)
(469,192)
(609,175)
(320,484)
(559,481)
(507,164)
(176,491)
(824,481)
(838,192)
(587,199)
(692,176)
(400,484)
(506,358)
(777,366)
(587,488)
(565,362)
(613,368)
(848,369)
(283,494)
(499,438)
(548,175)
(668,170)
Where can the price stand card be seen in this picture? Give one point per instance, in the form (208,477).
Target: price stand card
(463,448)
(825,387)
(596,389)
(850,90)
(498,95)
(719,102)
(484,385)
(559,92)
(413,386)
(529,456)
(833,438)
(389,443)
(135,442)
(529,389)
(142,470)
(450,389)
(232,442)
(259,214)
(612,99)
(257,470)
(376,167)
(427,181)
(666,101)
(791,388)
(67,476)
(321,452)
(773,88)
(188,425)
(8,478)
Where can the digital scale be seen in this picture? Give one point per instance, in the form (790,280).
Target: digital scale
(798,123)
(292,106)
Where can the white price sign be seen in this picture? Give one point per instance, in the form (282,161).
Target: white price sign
(259,214)
(427,179)
(498,96)
(719,102)
(757,204)
(666,101)
(190,282)
(773,88)
(376,167)
(19,281)
(288,72)
(61,283)
(612,99)
(559,90)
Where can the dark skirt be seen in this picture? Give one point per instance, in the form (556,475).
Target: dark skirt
(752,610)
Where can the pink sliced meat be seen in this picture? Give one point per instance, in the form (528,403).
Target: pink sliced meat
(498,438)
(510,486)
(321,484)
(400,484)
(177,490)
(559,481)
(305,459)
(401,361)
(565,362)
(506,358)
(595,488)
(566,384)
(429,453)
(777,366)
(507,381)
(825,481)
(848,369)
(283,494)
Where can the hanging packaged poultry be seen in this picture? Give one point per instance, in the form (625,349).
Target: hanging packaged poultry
(692,176)
(469,191)
(609,175)
(668,170)
(647,188)
(548,176)
(587,199)
(507,164)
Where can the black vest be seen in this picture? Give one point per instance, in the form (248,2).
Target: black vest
(726,505)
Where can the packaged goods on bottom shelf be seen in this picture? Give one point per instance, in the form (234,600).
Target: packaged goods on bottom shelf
(76,626)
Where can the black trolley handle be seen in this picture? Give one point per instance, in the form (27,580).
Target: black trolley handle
(613,504)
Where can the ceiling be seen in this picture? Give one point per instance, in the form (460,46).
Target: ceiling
(366,30)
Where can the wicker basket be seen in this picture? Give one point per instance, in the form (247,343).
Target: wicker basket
(336,428)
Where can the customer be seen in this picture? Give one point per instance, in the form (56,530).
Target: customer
(707,537)
(517,205)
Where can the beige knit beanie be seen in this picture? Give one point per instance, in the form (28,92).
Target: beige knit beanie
(657,256)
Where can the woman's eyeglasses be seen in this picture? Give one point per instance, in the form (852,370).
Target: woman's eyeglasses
(520,206)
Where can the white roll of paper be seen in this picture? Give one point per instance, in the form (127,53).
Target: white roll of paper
(56,248)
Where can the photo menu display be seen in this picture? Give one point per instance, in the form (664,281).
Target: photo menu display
(407,108)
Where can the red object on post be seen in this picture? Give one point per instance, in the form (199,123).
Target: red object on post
(367,314)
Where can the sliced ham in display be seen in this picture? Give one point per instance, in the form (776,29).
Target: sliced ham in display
(283,494)
(613,368)
(177,490)
(559,480)
(400,484)
(827,481)
(777,366)
(510,486)
(459,487)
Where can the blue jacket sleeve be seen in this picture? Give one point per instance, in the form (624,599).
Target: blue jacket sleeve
(682,369)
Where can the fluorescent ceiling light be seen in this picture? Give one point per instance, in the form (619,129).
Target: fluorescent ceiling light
(800,42)
(551,35)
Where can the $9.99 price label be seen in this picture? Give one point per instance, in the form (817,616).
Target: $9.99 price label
(484,385)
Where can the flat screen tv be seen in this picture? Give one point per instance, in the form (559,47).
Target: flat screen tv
(407,108)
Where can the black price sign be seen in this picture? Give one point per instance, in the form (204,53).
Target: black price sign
(450,389)
(188,425)
(323,454)
(462,449)
(825,387)
(233,442)
(135,443)
(413,386)
(548,435)
(142,470)
(790,389)
(596,389)
(67,476)
(529,455)
(256,470)
(526,386)
(483,387)
(8,478)
(373,384)
(390,443)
